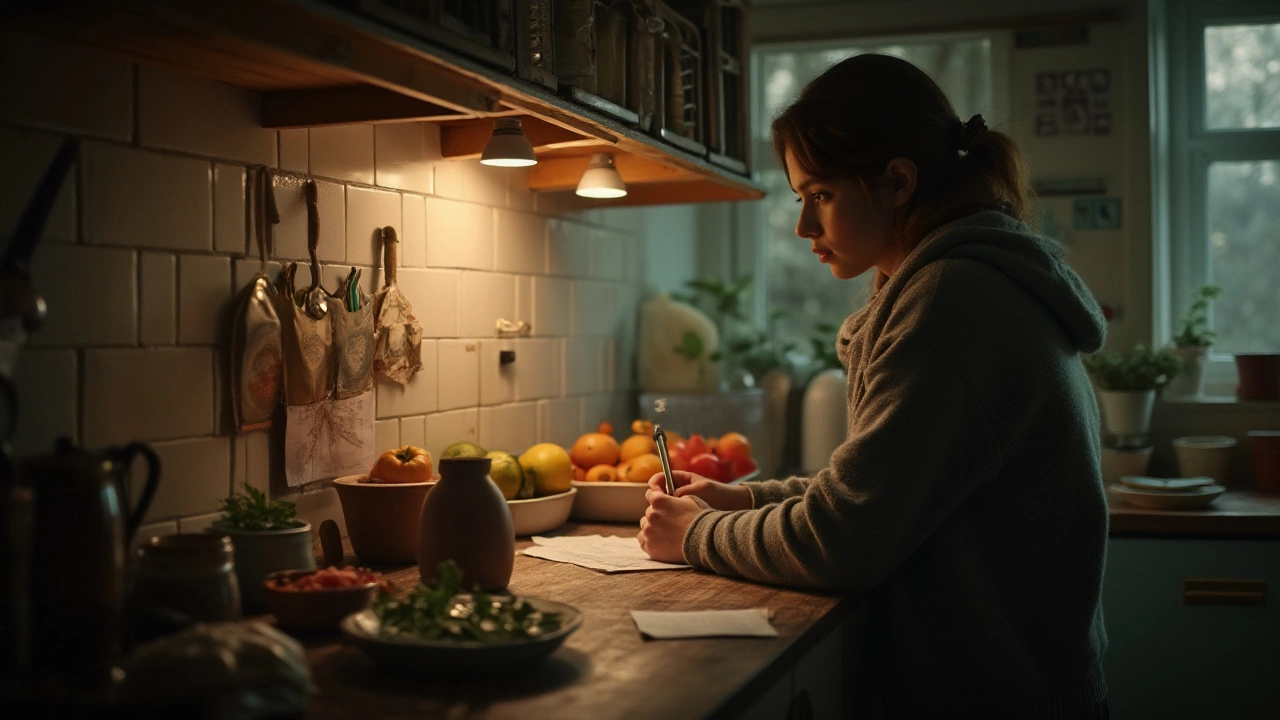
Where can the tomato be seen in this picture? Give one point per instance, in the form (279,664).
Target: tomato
(328,578)
(733,445)
(679,461)
(408,464)
(740,467)
(706,465)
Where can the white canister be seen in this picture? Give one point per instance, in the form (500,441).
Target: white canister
(1124,462)
(1205,455)
(824,419)
(1127,414)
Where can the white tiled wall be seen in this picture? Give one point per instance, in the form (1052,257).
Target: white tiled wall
(149,242)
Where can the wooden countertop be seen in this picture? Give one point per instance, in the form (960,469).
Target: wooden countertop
(1236,513)
(606,669)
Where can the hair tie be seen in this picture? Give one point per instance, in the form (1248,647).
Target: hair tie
(967,134)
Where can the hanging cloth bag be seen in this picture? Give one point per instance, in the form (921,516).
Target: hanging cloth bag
(257,353)
(398,336)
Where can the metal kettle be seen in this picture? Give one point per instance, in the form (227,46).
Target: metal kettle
(81,531)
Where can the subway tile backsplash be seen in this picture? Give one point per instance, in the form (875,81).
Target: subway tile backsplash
(150,240)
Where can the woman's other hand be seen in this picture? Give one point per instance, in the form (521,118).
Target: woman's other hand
(667,519)
(716,494)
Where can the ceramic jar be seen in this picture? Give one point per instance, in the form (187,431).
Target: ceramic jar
(261,552)
(190,574)
(466,519)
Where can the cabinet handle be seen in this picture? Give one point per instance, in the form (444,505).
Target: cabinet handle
(1224,592)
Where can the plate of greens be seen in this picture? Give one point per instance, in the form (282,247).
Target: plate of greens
(436,628)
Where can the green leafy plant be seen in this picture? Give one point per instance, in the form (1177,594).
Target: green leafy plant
(250,510)
(743,343)
(1139,368)
(1193,328)
(437,612)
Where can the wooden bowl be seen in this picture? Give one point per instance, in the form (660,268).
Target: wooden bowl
(315,610)
(382,518)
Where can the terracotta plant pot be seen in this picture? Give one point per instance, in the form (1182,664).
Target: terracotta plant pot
(1205,455)
(1259,376)
(382,518)
(466,519)
(1265,445)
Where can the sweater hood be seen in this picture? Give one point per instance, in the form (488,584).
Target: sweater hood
(1033,262)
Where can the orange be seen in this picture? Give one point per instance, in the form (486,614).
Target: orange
(733,446)
(594,449)
(579,473)
(637,445)
(642,468)
(602,473)
(673,437)
(620,475)
(605,427)
(642,427)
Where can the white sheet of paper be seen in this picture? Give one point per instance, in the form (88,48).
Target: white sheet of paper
(329,439)
(604,553)
(667,624)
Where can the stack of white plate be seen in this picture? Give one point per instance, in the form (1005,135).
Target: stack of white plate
(1167,493)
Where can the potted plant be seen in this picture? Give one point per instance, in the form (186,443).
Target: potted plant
(1191,343)
(267,537)
(1127,383)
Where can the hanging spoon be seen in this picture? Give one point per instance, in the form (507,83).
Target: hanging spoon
(315,304)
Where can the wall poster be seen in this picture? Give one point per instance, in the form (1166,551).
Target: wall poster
(1073,102)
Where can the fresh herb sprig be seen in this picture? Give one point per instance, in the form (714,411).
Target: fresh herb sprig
(436,612)
(250,510)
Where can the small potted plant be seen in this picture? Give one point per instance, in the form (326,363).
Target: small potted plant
(1191,343)
(267,537)
(1127,383)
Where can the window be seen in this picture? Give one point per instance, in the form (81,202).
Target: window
(1218,170)
(792,278)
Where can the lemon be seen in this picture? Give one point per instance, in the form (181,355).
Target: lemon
(549,466)
(506,473)
(462,448)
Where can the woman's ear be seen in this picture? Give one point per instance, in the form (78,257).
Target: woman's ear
(900,176)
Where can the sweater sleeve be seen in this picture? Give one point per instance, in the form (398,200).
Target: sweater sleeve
(921,442)
(772,491)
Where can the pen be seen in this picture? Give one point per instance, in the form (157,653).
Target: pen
(660,438)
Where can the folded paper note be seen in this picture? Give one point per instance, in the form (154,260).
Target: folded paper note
(597,552)
(667,624)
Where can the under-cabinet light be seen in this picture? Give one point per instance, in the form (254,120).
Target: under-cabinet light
(508,147)
(601,180)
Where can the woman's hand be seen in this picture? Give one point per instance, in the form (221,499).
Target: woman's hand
(716,494)
(667,519)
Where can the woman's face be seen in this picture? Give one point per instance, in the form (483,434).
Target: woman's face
(850,232)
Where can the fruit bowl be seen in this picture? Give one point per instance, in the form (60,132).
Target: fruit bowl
(382,518)
(620,502)
(541,514)
(319,609)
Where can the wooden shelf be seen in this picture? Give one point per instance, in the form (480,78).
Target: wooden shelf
(316,64)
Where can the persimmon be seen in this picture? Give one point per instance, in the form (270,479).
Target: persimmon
(635,446)
(594,449)
(733,446)
(602,473)
(408,464)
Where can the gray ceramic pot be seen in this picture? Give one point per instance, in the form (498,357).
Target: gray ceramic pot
(261,552)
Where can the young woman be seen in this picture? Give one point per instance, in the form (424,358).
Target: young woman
(966,502)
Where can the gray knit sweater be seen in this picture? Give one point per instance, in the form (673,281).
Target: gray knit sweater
(966,500)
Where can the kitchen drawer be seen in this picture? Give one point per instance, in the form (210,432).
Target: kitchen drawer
(1207,655)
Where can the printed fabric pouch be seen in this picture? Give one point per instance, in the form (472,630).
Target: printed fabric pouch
(397,333)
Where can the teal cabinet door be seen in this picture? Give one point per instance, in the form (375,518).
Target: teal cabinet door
(1172,659)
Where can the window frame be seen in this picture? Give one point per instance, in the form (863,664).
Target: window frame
(751,252)
(1184,149)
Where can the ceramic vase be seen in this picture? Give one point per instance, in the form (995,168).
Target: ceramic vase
(466,519)
(824,420)
(1205,456)
(1127,414)
(777,388)
(1189,381)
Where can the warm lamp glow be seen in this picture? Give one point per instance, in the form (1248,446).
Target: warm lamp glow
(601,180)
(508,147)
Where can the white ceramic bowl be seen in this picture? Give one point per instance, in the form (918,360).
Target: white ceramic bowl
(542,514)
(620,502)
(1165,500)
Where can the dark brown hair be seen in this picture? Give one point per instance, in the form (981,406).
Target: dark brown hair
(849,122)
